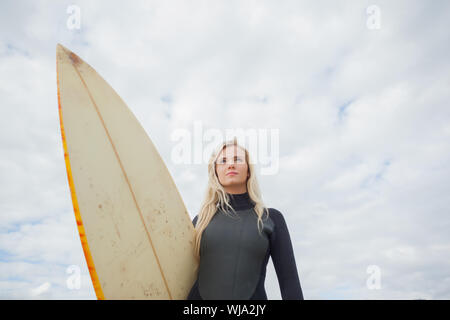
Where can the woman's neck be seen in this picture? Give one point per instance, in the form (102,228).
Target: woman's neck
(240,201)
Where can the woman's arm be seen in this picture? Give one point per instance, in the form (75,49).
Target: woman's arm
(283,258)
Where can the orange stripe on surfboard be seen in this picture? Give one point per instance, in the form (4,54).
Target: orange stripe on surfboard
(84,243)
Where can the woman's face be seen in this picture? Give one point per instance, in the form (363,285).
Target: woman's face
(232,169)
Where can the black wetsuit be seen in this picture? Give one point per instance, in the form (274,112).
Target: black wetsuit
(234,256)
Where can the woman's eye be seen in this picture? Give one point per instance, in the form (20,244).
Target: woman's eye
(236,160)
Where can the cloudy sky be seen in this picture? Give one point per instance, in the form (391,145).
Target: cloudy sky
(358,91)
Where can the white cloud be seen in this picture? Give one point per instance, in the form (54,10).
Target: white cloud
(43,288)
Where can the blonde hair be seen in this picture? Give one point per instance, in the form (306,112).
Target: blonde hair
(216,196)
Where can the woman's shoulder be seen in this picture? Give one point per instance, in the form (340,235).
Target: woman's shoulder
(276,216)
(275,213)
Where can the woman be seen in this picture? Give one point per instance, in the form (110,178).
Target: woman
(233,245)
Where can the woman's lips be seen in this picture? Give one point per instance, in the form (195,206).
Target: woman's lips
(231,173)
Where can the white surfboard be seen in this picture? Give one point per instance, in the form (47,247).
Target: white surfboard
(136,234)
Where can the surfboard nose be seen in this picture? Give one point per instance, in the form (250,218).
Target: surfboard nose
(63,53)
(60,49)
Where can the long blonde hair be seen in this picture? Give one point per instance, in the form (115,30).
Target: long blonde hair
(216,196)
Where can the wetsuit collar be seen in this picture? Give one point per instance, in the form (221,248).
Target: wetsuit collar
(241,201)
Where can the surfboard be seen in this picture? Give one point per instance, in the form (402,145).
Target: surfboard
(135,231)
